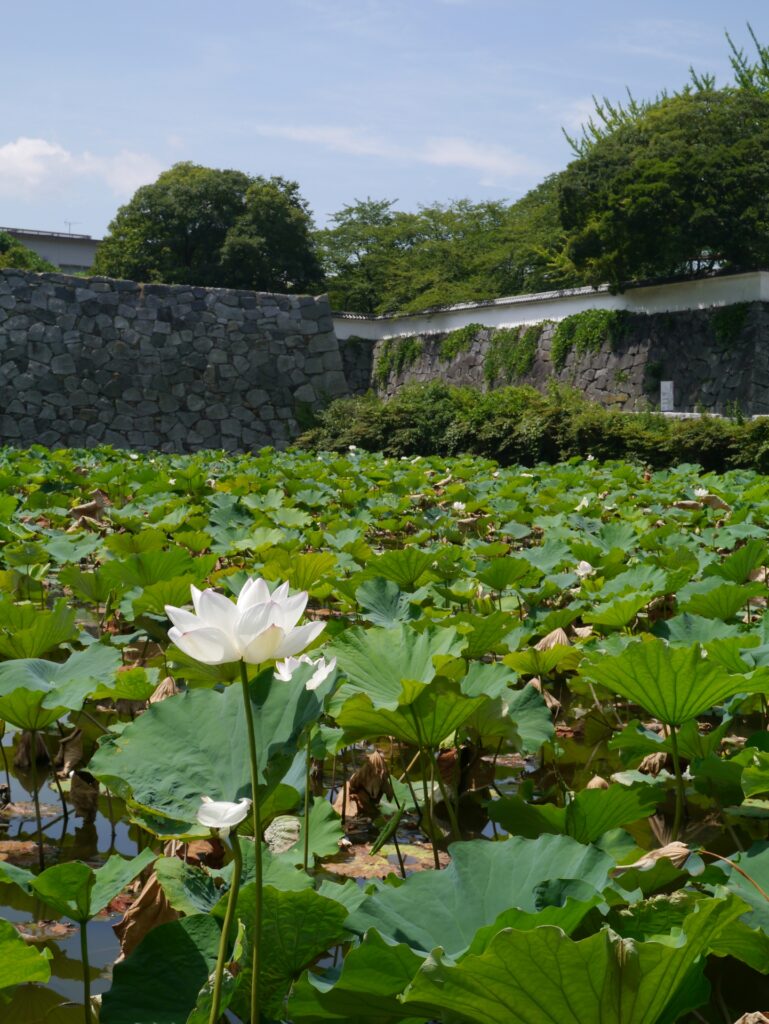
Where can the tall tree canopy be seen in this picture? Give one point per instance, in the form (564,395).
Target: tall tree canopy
(683,186)
(378,259)
(222,228)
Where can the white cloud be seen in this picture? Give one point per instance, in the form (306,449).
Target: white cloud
(31,168)
(494,162)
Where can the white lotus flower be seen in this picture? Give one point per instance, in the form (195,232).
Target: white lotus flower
(458,506)
(258,627)
(284,670)
(221,815)
(583,569)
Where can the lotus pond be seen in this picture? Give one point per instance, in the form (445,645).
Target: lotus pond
(521,774)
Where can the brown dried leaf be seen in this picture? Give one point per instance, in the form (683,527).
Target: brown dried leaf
(653,764)
(148,910)
(757,1017)
(677,853)
(365,788)
(23,852)
(70,752)
(556,637)
(551,703)
(84,795)
(44,931)
(713,501)
(167,688)
(597,782)
(689,506)
(22,754)
(359,862)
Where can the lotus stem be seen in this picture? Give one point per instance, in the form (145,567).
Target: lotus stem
(36,798)
(232,900)
(256,818)
(680,788)
(738,869)
(86,972)
(451,810)
(307,780)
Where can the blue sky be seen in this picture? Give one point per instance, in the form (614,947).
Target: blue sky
(414,100)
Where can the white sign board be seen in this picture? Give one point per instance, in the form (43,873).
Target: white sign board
(666,396)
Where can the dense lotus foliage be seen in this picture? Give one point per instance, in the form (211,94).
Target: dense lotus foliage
(521,773)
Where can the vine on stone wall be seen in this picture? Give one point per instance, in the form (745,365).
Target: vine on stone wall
(587,332)
(396,355)
(728,322)
(458,341)
(510,353)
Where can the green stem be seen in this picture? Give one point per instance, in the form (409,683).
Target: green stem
(307,774)
(232,900)
(36,798)
(86,972)
(680,788)
(428,800)
(256,818)
(451,810)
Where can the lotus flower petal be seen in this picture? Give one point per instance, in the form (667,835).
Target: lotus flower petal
(258,627)
(221,815)
(298,639)
(205,644)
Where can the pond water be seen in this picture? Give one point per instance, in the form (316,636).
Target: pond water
(73,839)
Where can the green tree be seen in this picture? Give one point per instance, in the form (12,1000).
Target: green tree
(380,260)
(681,187)
(221,228)
(14,254)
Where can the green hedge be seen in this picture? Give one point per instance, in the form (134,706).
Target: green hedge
(520,425)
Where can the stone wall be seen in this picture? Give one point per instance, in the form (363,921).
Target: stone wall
(712,369)
(86,361)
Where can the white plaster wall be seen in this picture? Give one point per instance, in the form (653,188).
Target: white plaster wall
(528,309)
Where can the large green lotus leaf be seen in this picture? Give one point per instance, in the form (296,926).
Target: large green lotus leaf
(364,989)
(78,891)
(673,683)
(755,863)
(635,741)
(160,981)
(722,601)
(662,914)
(483,880)
(92,587)
(405,567)
(28,632)
(34,692)
(432,716)
(20,963)
(384,604)
(305,570)
(391,666)
(686,629)
(503,573)
(488,679)
(297,927)
(196,744)
(738,566)
(520,715)
(591,813)
(531,662)
(617,612)
(231,981)
(544,977)
(482,634)
(148,567)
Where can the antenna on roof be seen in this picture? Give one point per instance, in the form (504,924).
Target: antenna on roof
(69,224)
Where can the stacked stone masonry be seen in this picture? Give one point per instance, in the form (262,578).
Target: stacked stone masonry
(708,375)
(86,361)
